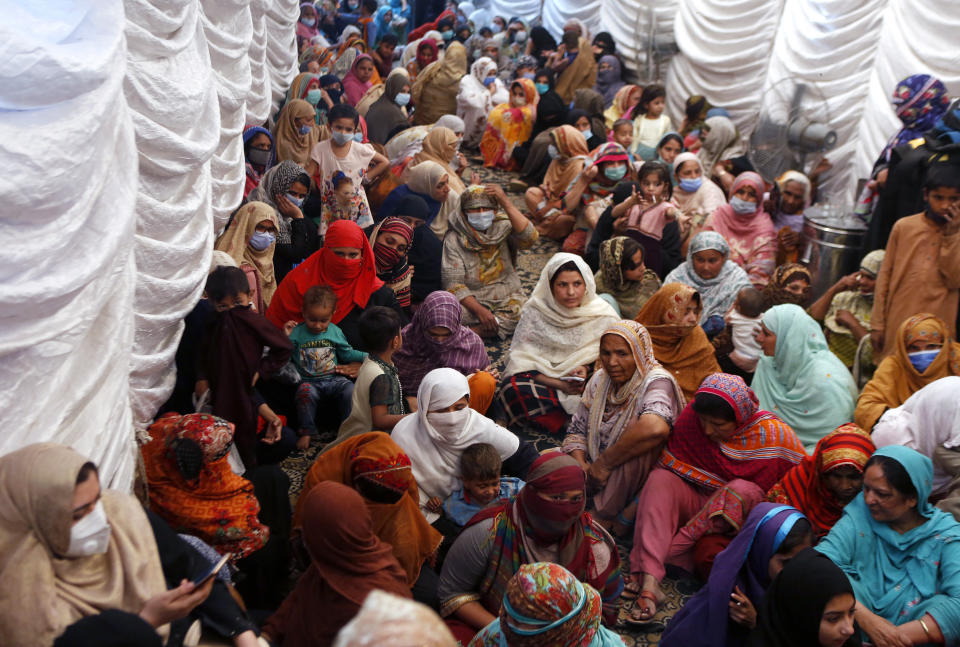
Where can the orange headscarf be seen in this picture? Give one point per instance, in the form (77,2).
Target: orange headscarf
(569,164)
(896,379)
(353,280)
(196,492)
(372,463)
(685,351)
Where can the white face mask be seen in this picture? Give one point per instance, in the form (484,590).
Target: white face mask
(90,535)
(449,423)
(481,219)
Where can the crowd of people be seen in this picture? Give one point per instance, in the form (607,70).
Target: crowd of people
(797,453)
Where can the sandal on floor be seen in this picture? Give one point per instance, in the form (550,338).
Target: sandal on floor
(634,621)
(631,589)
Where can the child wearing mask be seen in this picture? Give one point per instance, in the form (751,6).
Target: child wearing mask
(344,152)
(921,269)
(651,124)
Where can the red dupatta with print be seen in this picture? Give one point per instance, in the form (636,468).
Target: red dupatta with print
(761,451)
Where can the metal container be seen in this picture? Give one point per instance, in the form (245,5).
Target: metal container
(832,245)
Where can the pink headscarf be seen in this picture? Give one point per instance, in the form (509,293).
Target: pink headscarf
(746,228)
(353,87)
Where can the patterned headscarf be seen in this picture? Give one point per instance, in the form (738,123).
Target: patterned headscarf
(488,244)
(277,181)
(193,488)
(720,292)
(392,266)
(871,262)
(803,486)
(776,293)
(919,100)
(631,296)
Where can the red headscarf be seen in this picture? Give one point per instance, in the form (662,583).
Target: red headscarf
(803,487)
(424,60)
(353,280)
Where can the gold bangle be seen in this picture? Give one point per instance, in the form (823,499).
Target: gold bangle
(924,625)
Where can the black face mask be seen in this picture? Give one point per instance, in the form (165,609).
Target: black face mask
(259,157)
(334,95)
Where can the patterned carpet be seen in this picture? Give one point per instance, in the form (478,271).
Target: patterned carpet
(530,263)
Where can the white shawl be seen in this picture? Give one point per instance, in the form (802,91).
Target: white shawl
(554,340)
(930,418)
(435,458)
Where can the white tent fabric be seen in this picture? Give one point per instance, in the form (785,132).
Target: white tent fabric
(228,29)
(632,25)
(829,44)
(724,51)
(282,17)
(260,98)
(67,194)
(526,10)
(171,91)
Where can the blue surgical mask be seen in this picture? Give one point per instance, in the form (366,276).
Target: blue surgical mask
(402,99)
(742,207)
(358,137)
(496,28)
(340,139)
(552,151)
(529,75)
(542,88)
(587,133)
(309,22)
(520,36)
(481,220)
(294,199)
(447,35)
(922,359)
(615,172)
(261,240)
(304,130)
(691,185)
(313,96)
(489,81)
(477,54)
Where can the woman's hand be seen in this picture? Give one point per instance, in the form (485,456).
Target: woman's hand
(303,442)
(846,319)
(598,474)
(435,505)
(580,371)
(274,430)
(348,370)
(488,322)
(496,192)
(287,208)
(492,371)
(883,633)
(788,238)
(462,164)
(176,603)
(326,98)
(590,173)
(742,610)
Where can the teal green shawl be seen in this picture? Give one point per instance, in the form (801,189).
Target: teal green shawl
(804,383)
(902,577)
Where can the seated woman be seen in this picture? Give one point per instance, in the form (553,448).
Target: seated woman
(347,562)
(924,353)
(546,519)
(798,378)
(554,345)
(479,92)
(551,112)
(545,604)
(386,117)
(709,271)
(390,240)
(845,309)
(296,132)
(436,338)
(901,554)
(580,119)
(747,228)
(72,551)
(823,483)
(478,259)
(721,150)
(376,467)
(361,77)
(721,438)
(609,76)
(625,416)
(623,280)
(284,188)
(696,195)
(929,422)
(625,99)
(548,203)
(258,154)
(441,145)
(403,146)
(809,603)
(387,619)
(249,241)
(724,611)
(509,125)
(589,196)
(427,52)
(435,89)
(441,428)
(671,317)
(430,181)
(790,283)
(345,264)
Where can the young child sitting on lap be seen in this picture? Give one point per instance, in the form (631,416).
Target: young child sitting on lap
(378,403)
(744,322)
(480,466)
(319,351)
